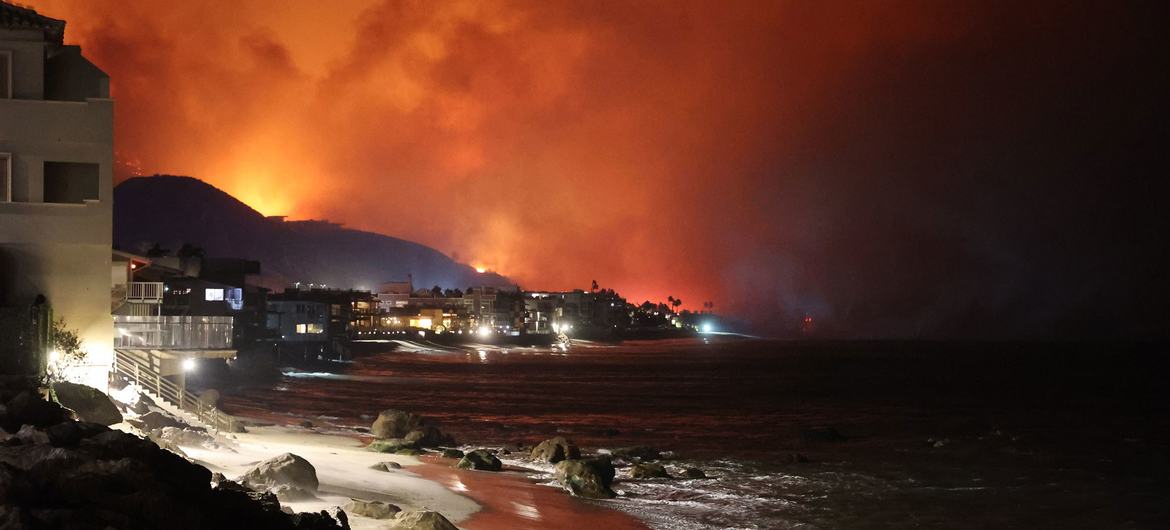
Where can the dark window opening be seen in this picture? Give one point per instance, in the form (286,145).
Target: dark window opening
(5,74)
(70,182)
(5,177)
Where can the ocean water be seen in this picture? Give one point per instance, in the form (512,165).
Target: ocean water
(936,435)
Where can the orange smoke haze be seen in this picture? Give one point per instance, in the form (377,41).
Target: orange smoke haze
(641,144)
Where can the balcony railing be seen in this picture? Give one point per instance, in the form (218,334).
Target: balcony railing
(173,332)
(145,292)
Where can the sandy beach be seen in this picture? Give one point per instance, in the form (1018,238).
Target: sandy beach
(473,500)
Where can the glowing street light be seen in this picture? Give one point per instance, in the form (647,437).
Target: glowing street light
(706,328)
(188,365)
(484,331)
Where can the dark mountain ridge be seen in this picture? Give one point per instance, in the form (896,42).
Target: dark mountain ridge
(172,210)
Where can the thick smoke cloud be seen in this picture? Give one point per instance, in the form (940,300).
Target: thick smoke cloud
(889,168)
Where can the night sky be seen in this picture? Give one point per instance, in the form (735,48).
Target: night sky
(893,169)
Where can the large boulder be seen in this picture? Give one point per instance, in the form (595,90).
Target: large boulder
(371,509)
(648,470)
(27,408)
(480,460)
(289,476)
(556,449)
(429,436)
(90,404)
(393,423)
(422,520)
(590,477)
(156,420)
(392,445)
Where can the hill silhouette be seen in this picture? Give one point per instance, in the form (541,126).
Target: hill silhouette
(172,210)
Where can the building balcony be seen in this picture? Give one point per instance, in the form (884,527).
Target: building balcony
(173,332)
(145,292)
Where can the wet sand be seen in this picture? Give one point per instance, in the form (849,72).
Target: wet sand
(513,501)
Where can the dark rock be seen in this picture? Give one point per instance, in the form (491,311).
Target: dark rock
(480,460)
(294,475)
(307,424)
(392,445)
(156,420)
(590,477)
(32,435)
(27,408)
(452,453)
(64,434)
(88,403)
(406,451)
(821,435)
(361,430)
(556,449)
(637,453)
(694,472)
(316,521)
(111,479)
(372,509)
(393,423)
(797,458)
(648,470)
(386,466)
(422,520)
(429,436)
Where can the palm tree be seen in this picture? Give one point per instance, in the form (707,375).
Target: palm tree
(677,302)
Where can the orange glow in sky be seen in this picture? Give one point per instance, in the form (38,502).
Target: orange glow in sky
(638,144)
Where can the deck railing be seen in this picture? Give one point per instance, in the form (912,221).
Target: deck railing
(174,332)
(145,292)
(143,375)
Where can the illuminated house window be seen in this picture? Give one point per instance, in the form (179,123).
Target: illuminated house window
(213,295)
(309,329)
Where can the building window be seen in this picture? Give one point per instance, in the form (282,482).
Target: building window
(71,182)
(309,329)
(5,74)
(213,295)
(5,177)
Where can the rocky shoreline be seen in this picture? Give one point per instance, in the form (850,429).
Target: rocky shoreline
(61,468)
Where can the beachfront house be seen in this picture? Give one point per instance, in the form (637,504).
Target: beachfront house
(56,190)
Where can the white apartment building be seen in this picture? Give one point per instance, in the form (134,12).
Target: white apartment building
(56,181)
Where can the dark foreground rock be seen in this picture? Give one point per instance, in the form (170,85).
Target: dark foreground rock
(93,477)
(289,476)
(452,453)
(590,477)
(480,460)
(694,472)
(88,403)
(421,520)
(555,449)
